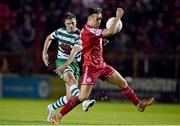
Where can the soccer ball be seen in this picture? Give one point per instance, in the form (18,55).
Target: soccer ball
(118,25)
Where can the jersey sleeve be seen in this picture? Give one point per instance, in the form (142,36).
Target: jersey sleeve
(78,42)
(54,34)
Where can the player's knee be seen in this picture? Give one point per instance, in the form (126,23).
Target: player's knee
(71,81)
(124,83)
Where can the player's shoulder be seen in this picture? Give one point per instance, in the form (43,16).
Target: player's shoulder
(92,30)
(61,29)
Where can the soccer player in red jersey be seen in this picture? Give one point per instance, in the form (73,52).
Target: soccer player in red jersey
(94,66)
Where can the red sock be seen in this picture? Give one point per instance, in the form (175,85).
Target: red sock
(129,93)
(73,102)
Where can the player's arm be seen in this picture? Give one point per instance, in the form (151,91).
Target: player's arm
(112,30)
(47,43)
(74,51)
(72,55)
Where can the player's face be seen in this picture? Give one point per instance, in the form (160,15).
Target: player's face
(71,25)
(97,20)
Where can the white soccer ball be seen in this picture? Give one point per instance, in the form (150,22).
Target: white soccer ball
(118,25)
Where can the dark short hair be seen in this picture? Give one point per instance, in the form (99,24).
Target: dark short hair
(92,11)
(69,15)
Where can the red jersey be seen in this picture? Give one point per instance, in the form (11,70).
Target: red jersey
(92,47)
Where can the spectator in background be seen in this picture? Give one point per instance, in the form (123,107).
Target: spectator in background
(1,39)
(27,34)
(159,20)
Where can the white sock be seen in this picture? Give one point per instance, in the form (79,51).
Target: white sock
(74,90)
(60,102)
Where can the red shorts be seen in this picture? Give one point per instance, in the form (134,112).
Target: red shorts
(90,74)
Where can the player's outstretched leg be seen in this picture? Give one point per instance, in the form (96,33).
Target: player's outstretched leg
(128,92)
(141,105)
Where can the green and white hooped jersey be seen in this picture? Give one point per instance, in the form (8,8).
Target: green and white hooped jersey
(65,43)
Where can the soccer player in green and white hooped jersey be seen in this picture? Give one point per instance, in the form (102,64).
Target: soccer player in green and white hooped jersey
(68,57)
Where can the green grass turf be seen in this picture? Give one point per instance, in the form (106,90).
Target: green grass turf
(33,112)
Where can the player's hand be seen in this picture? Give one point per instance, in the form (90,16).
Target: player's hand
(60,69)
(45,58)
(119,12)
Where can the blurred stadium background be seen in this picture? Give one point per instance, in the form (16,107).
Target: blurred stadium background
(146,51)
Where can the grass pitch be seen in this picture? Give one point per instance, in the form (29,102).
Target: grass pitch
(34,112)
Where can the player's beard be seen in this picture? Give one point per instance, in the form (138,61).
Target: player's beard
(71,29)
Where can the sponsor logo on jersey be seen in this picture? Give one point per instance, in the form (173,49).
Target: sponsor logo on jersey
(88,80)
